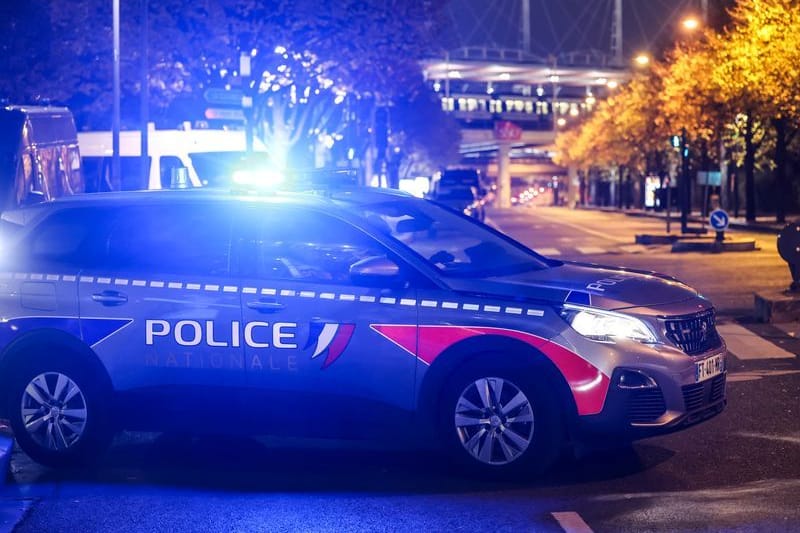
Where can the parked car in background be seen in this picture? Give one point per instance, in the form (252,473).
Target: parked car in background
(463,199)
(39,155)
(458,178)
(461,189)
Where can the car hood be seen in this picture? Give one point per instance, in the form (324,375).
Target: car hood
(599,286)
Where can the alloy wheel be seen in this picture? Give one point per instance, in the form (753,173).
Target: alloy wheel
(494,420)
(54,411)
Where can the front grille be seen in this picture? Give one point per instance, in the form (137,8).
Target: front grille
(646,405)
(708,392)
(694,334)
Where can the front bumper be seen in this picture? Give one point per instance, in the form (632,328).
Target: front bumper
(671,405)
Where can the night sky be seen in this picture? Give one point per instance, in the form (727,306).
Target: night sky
(560,26)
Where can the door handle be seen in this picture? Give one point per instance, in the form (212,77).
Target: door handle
(110,298)
(263,306)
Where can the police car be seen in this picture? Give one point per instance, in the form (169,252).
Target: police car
(345,312)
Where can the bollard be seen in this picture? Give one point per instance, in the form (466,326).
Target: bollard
(789,249)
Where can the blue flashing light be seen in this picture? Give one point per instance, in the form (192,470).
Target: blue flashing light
(260,179)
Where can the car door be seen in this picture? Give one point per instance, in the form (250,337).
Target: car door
(159,306)
(312,342)
(39,275)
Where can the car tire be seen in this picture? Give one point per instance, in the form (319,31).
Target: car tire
(59,410)
(500,423)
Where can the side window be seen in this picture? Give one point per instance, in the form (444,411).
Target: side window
(319,249)
(49,165)
(67,238)
(171,239)
(75,179)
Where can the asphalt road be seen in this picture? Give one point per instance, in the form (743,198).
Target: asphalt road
(737,472)
(728,279)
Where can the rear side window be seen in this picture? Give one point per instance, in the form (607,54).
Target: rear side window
(184,239)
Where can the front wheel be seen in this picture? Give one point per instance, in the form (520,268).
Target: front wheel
(58,412)
(500,423)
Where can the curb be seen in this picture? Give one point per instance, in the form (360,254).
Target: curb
(758,227)
(656,239)
(708,245)
(6,447)
(777,306)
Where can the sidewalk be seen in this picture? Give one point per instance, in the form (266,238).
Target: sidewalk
(6,446)
(762,224)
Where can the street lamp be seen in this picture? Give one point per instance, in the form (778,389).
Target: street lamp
(690,24)
(116,163)
(642,60)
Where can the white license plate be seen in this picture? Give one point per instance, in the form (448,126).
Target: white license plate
(708,368)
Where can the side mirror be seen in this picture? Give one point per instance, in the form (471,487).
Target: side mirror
(378,271)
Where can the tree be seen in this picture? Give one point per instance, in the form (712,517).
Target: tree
(367,49)
(762,53)
(428,135)
(621,133)
(757,69)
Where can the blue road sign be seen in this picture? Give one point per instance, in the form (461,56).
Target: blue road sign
(719,219)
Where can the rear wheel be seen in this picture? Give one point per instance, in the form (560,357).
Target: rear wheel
(500,422)
(59,412)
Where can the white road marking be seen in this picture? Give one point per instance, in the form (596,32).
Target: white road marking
(548,251)
(590,250)
(572,522)
(758,374)
(602,234)
(634,248)
(745,344)
(790,328)
(792,439)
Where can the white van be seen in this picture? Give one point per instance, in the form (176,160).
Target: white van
(210,156)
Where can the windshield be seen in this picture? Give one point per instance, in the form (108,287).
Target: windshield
(216,169)
(452,244)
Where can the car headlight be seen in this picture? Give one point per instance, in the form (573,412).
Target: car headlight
(606,326)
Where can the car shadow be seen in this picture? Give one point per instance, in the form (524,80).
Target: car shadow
(244,464)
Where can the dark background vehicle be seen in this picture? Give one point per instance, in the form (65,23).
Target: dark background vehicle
(463,199)
(39,156)
(458,178)
(461,189)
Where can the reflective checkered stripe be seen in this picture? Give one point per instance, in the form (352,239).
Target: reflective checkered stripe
(449,305)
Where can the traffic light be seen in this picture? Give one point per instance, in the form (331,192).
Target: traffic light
(675,141)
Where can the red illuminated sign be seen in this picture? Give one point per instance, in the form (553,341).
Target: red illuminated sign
(507,131)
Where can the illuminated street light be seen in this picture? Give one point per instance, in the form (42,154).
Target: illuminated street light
(612,84)
(690,23)
(642,60)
